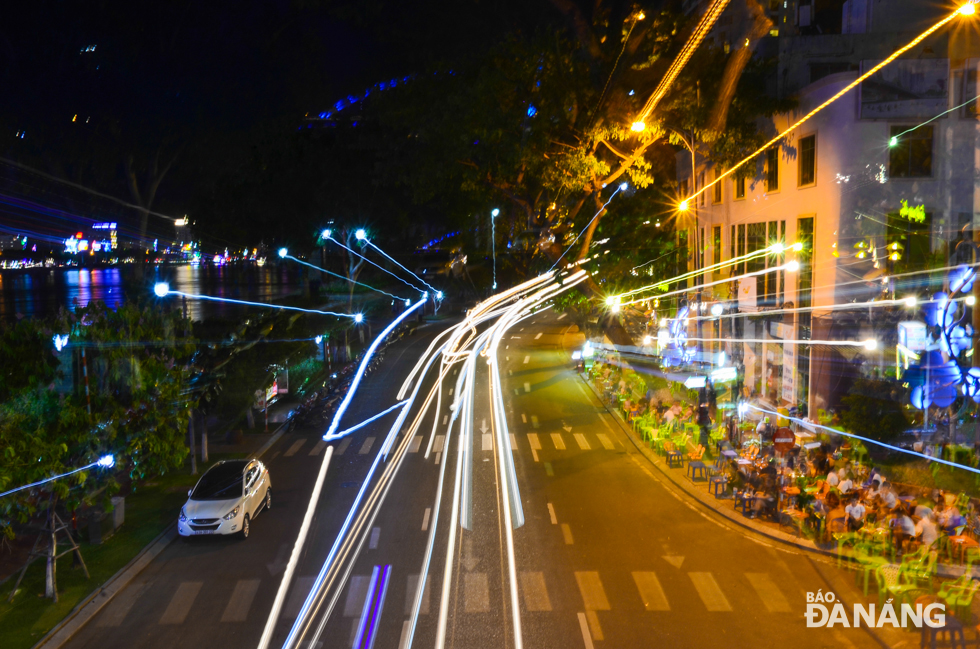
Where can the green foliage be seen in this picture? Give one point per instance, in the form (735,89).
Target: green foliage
(873,408)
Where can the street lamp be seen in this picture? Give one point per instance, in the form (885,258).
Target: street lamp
(160,289)
(493,243)
(283,252)
(361,235)
(358,318)
(638,127)
(325,234)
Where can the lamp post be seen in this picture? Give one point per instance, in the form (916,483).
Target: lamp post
(693,205)
(493,243)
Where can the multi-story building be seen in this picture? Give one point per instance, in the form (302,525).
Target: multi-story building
(880,184)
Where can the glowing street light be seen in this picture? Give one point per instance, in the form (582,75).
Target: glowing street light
(793,266)
(325,234)
(358,318)
(318,339)
(647,340)
(968,9)
(438,295)
(361,235)
(106,462)
(798,246)
(160,289)
(911,301)
(971,300)
(283,252)
(683,206)
(638,127)
(717,309)
(893,142)
(493,243)
(871,344)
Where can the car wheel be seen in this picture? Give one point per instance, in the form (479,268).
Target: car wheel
(268,499)
(245,522)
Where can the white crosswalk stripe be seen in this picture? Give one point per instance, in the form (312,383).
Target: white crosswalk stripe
(344,443)
(318,448)
(181,603)
(294,448)
(297,595)
(593,594)
(605,441)
(476,592)
(356,592)
(714,600)
(651,592)
(558,441)
(582,442)
(772,598)
(241,600)
(410,590)
(366,446)
(487,442)
(416,443)
(438,443)
(535,591)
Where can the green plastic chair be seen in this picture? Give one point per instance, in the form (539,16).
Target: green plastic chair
(894,582)
(958,596)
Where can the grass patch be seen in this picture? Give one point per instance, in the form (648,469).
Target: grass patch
(149,510)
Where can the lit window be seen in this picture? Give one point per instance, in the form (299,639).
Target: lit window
(808,160)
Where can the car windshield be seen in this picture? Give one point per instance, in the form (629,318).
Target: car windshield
(221,482)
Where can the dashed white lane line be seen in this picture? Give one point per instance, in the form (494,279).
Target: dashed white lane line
(439,443)
(711,595)
(535,591)
(527,359)
(557,440)
(523,418)
(538,336)
(582,442)
(513,443)
(241,600)
(344,443)
(366,446)
(476,592)
(515,337)
(534,454)
(425,519)
(566,532)
(375,537)
(605,441)
(416,444)
(527,386)
(651,592)
(586,635)
(445,418)
(769,593)
(411,587)
(532,439)
(318,448)
(487,442)
(181,603)
(593,594)
(551,512)
(291,451)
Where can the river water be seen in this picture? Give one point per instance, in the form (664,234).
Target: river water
(42,292)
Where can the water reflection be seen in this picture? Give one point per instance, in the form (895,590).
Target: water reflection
(41,292)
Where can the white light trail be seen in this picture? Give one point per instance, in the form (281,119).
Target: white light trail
(392,259)
(601,210)
(161,292)
(104,462)
(382,268)
(346,279)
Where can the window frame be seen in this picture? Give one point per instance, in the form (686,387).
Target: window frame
(893,131)
(738,181)
(799,169)
(772,159)
(717,195)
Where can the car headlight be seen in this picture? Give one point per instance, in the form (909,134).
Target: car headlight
(183,516)
(232,514)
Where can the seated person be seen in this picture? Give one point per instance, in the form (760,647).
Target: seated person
(888,496)
(902,526)
(846,485)
(855,513)
(833,479)
(926,530)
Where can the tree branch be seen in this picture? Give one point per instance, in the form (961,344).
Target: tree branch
(580,26)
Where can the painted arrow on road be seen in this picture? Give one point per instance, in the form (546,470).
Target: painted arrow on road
(483,426)
(566,427)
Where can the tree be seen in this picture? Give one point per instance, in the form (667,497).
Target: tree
(874,408)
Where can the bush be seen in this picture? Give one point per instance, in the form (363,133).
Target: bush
(873,408)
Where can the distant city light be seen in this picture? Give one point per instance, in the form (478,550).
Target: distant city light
(717,309)
(495,212)
(160,289)
(911,301)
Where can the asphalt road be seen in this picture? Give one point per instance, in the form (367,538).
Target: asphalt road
(609,554)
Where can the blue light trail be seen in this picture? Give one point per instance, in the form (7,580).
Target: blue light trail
(161,289)
(104,462)
(381,414)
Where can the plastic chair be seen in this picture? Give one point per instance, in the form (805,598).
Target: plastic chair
(959,595)
(673,455)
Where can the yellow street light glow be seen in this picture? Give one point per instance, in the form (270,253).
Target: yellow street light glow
(610,300)
(872,71)
(911,301)
(968,9)
(615,308)
(638,126)
(871,344)
(777,248)
(798,246)
(663,322)
(682,206)
(641,16)
(647,340)
(793,266)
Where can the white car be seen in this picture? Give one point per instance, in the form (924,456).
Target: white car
(226,499)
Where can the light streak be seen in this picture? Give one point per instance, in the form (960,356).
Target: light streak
(382,268)
(493,243)
(704,26)
(363,367)
(894,55)
(355,317)
(381,414)
(869,344)
(680,291)
(346,279)
(304,529)
(392,259)
(895,138)
(811,425)
(104,462)
(602,209)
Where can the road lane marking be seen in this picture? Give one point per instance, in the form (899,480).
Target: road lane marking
(592,591)
(445,418)
(366,447)
(548,471)
(523,417)
(343,446)
(582,442)
(295,447)
(425,519)
(566,531)
(593,619)
(534,421)
(487,442)
(416,444)
(561,316)
(375,536)
(438,458)
(527,387)
(241,600)
(538,336)
(318,448)
(586,636)
(711,595)
(181,603)
(769,593)
(356,592)
(274,456)
(515,337)
(476,592)
(551,513)
(301,588)
(410,588)
(527,359)
(651,592)
(558,441)
(451,391)
(439,443)
(404,637)
(605,441)
(532,439)
(534,454)
(535,591)
(120,607)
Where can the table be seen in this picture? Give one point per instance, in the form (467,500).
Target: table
(962,542)
(729,453)
(742,461)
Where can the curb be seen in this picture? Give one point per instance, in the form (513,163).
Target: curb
(97,600)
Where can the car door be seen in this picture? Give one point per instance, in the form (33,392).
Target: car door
(251,480)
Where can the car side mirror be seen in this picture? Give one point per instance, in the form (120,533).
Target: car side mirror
(189,492)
